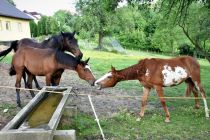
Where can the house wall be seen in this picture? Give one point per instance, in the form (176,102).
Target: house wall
(13,29)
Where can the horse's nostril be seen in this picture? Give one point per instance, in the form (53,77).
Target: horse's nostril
(96,84)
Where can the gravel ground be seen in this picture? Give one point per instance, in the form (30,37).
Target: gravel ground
(105,102)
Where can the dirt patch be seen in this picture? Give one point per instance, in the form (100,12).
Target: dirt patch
(106,105)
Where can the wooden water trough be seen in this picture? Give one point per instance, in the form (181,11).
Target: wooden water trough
(39,119)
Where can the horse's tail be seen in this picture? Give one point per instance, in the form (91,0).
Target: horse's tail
(12,46)
(12,71)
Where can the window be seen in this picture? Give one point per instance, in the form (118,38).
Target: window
(1,28)
(8,26)
(19,27)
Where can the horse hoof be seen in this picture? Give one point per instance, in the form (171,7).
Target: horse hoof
(167,120)
(39,88)
(19,105)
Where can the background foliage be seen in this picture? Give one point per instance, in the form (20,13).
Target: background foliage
(164,26)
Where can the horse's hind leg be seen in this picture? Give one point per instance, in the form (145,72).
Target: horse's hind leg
(191,88)
(36,82)
(18,85)
(29,83)
(24,78)
(200,88)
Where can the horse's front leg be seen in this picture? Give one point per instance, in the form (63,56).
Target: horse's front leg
(144,100)
(48,79)
(36,82)
(160,93)
(56,78)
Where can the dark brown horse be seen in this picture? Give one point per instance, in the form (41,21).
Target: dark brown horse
(45,62)
(63,42)
(158,73)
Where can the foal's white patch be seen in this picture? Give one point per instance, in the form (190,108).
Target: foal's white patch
(103,77)
(171,77)
(147,73)
(204,100)
(206,108)
(88,67)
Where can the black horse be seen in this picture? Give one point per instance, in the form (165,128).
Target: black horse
(62,42)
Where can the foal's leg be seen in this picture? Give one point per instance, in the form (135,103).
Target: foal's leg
(202,92)
(144,100)
(56,77)
(36,82)
(191,87)
(29,83)
(160,93)
(48,79)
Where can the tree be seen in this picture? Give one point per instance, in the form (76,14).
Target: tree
(197,29)
(64,20)
(193,17)
(97,12)
(129,27)
(34,28)
(43,27)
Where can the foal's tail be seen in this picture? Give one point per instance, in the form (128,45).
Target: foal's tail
(12,46)
(12,71)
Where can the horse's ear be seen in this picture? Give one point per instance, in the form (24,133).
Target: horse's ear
(113,68)
(74,32)
(86,61)
(62,33)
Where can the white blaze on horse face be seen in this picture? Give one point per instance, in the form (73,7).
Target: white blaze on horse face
(103,78)
(147,73)
(171,77)
(88,67)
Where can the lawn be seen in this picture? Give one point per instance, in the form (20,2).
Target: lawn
(186,122)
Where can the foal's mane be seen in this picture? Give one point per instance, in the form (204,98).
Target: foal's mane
(66,59)
(53,42)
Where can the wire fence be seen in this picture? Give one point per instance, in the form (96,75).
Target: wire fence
(111,96)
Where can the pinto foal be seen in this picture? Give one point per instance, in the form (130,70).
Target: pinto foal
(158,73)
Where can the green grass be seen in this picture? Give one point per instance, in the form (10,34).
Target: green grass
(186,122)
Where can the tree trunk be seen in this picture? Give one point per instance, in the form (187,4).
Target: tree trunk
(100,38)
(204,53)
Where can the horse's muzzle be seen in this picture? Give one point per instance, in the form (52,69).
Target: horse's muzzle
(98,85)
(91,82)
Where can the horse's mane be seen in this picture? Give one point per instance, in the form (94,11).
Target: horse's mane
(66,59)
(52,42)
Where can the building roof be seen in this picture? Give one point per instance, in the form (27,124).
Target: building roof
(8,10)
(34,15)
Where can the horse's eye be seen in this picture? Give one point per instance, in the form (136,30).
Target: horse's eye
(109,77)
